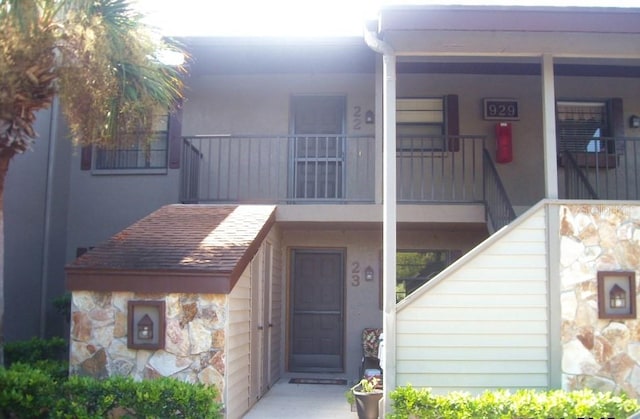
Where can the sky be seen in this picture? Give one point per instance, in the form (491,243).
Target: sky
(297,17)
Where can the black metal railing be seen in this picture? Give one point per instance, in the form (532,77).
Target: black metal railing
(328,168)
(498,206)
(440,169)
(276,169)
(601,168)
(576,184)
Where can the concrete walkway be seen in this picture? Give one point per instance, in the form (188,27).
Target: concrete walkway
(308,401)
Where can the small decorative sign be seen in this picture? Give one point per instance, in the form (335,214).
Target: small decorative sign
(616,295)
(500,109)
(145,324)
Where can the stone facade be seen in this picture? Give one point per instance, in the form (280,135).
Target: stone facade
(194,339)
(601,354)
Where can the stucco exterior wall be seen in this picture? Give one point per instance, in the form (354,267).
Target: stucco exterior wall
(35,208)
(601,354)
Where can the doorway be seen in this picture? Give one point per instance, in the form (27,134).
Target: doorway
(318,147)
(317,311)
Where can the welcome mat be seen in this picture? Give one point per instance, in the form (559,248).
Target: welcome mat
(335,381)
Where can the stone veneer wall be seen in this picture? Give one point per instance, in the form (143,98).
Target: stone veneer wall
(600,354)
(194,344)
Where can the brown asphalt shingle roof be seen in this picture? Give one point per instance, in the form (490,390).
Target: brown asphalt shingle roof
(181,239)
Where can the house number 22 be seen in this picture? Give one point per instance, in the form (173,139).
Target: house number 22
(355,274)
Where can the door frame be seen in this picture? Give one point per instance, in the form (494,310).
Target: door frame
(289,315)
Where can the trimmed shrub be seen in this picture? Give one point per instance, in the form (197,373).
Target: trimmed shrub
(35,349)
(421,403)
(163,397)
(26,392)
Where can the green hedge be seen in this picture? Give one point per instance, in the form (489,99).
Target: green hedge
(409,402)
(31,393)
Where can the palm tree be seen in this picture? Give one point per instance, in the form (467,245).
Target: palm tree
(98,58)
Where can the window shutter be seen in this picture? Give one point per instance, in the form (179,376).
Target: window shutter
(453,122)
(175,137)
(85,157)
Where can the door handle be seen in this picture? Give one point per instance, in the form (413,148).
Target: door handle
(260,327)
(270,324)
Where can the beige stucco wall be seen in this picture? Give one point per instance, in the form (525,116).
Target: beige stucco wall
(260,104)
(602,354)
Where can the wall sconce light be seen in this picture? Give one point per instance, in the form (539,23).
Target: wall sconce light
(368,274)
(634,121)
(369,117)
(145,328)
(146,324)
(617,297)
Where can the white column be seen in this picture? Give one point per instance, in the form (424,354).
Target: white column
(389,220)
(549,128)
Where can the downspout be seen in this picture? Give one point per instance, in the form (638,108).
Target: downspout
(389,217)
(46,234)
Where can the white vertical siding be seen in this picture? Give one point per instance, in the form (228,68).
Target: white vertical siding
(238,348)
(483,324)
(277,308)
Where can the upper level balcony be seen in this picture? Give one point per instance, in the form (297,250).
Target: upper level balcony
(337,169)
(329,169)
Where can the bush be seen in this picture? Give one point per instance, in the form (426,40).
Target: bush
(27,392)
(35,349)
(421,403)
(163,397)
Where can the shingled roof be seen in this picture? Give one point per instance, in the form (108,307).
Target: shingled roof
(178,248)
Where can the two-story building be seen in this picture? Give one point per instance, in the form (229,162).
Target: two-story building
(387,172)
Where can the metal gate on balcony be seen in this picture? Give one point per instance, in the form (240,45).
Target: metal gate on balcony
(318,147)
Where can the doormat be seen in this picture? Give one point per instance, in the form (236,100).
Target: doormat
(336,381)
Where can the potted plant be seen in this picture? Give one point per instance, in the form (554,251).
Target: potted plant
(367,393)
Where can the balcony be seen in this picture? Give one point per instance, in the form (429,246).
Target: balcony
(328,169)
(601,168)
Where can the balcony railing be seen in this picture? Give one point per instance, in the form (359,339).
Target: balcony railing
(327,169)
(601,168)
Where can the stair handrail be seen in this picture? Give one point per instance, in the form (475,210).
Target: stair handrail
(499,210)
(573,170)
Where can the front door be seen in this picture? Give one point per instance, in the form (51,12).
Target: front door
(317,305)
(318,147)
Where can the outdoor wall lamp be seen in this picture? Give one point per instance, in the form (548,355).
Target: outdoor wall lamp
(617,297)
(634,121)
(146,324)
(368,274)
(145,328)
(369,118)
(617,294)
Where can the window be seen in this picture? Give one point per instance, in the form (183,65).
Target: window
(420,124)
(141,154)
(416,267)
(580,126)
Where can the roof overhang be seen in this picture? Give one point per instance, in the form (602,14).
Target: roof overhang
(511,31)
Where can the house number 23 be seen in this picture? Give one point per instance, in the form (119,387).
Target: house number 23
(355,274)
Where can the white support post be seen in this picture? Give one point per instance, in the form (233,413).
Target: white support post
(389,219)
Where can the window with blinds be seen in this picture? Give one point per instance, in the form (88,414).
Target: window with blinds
(580,125)
(420,124)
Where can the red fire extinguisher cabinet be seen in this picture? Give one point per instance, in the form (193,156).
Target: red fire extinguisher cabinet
(504,144)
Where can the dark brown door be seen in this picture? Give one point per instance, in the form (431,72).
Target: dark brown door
(317,324)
